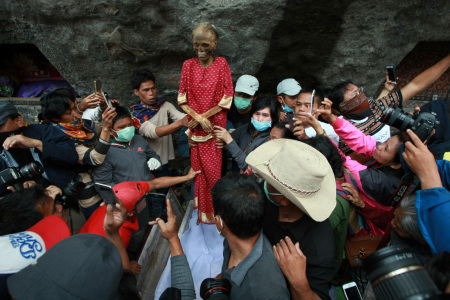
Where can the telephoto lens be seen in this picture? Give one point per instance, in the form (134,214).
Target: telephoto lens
(398,119)
(395,273)
(31,170)
(215,289)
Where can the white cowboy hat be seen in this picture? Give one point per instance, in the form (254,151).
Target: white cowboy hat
(299,172)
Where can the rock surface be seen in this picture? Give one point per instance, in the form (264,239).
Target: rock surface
(316,42)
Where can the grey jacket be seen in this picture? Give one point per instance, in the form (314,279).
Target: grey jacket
(244,142)
(126,163)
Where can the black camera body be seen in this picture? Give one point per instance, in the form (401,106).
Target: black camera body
(16,176)
(71,192)
(422,124)
(215,289)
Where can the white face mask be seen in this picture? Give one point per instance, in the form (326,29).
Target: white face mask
(221,225)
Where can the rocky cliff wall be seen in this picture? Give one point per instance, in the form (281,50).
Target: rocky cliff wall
(316,42)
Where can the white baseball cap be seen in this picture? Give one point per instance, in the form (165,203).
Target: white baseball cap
(289,86)
(247,84)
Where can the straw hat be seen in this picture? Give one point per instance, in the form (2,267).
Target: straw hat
(299,172)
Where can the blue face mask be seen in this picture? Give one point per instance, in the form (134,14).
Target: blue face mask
(286,108)
(261,126)
(242,103)
(268,194)
(220,231)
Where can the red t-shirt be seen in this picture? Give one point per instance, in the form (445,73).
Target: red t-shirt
(95,225)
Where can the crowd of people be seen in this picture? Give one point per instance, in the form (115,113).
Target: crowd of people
(313,170)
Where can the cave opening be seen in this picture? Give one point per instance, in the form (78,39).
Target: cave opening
(26,73)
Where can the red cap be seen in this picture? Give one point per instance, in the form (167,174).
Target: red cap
(52,229)
(129,192)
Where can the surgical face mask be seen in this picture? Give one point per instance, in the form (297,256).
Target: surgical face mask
(221,225)
(286,108)
(125,135)
(261,126)
(242,103)
(268,195)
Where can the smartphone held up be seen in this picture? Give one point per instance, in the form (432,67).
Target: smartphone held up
(391,74)
(98,89)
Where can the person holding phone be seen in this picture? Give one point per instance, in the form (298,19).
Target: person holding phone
(287,95)
(302,128)
(351,101)
(129,192)
(250,136)
(92,139)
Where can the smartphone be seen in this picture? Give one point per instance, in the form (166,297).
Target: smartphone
(98,86)
(290,119)
(98,89)
(107,100)
(391,74)
(107,193)
(351,291)
(150,207)
(312,100)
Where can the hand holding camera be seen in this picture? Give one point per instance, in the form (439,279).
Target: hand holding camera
(17,178)
(421,123)
(421,161)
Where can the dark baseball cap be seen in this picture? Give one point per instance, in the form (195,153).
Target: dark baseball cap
(83,266)
(6,109)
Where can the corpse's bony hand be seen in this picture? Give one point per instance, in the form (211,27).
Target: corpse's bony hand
(206,124)
(192,123)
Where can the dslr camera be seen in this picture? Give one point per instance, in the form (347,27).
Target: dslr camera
(422,124)
(17,176)
(71,192)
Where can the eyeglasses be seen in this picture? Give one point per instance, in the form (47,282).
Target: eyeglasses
(356,93)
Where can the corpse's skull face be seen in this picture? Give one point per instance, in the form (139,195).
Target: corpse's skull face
(204,44)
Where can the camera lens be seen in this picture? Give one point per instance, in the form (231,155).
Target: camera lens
(398,119)
(31,170)
(395,273)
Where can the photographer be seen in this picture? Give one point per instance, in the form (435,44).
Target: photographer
(433,200)
(92,139)
(365,113)
(22,209)
(23,144)
(381,175)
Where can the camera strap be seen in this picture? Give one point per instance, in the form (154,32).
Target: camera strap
(408,180)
